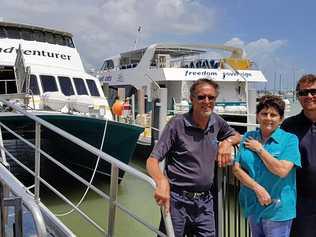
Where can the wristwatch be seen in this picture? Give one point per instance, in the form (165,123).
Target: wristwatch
(259,150)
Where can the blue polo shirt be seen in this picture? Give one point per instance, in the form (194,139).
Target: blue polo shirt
(283,146)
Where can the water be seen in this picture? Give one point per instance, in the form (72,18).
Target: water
(295,108)
(134,194)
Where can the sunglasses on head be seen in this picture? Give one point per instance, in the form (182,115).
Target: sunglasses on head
(202,97)
(306,92)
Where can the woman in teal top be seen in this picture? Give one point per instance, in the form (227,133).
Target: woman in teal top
(266,167)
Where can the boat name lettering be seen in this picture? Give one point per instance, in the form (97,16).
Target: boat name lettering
(235,74)
(106,78)
(200,73)
(42,53)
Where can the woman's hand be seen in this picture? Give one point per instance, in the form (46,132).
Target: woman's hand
(262,195)
(253,144)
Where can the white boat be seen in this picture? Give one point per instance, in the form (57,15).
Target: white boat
(41,70)
(177,66)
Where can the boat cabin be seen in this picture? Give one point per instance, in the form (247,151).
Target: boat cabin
(41,63)
(177,66)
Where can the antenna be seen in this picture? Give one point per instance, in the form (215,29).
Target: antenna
(137,36)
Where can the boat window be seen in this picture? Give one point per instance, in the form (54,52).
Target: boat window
(48,83)
(34,85)
(39,36)
(66,86)
(49,38)
(8,87)
(80,86)
(3,33)
(11,87)
(26,34)
(93,88)
(108,64)
(69,42)
(59,39)
(13,33)
(7,80)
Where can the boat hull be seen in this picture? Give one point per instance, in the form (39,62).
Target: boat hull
(119,140)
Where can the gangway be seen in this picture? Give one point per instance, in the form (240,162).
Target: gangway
(46,223)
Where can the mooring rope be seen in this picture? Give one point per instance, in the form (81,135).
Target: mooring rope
(91,179)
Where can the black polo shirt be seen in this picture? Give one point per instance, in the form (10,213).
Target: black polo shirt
(305,130)
(191,151)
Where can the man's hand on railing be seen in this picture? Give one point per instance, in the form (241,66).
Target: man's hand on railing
(162,194)
(224,155)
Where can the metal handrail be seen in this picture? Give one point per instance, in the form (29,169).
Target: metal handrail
(18,189)
(115,165)
(83,144)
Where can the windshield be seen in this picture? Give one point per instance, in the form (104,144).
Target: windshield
(93,88)
(66,86)
(48,83)
(80,86)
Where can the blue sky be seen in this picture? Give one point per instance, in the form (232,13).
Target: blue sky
(278,35)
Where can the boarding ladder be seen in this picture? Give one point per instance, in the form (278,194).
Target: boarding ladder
(14,193)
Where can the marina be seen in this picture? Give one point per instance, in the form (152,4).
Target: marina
(159,76)
(54,116)
(60,92)
(59,137)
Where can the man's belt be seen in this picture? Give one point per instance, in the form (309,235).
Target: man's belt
(193,195)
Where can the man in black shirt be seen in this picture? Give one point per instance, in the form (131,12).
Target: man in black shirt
(190,143)
(303,126)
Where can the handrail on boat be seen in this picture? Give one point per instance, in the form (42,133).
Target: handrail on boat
(115,165)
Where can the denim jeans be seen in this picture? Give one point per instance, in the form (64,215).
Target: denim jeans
(267,228)
(191,216)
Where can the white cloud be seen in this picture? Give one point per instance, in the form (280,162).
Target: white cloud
(266,55)
(106,27)
(103,28)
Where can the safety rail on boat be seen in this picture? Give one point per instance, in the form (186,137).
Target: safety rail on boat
(116,165)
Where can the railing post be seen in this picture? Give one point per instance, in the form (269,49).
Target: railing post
(18,217)
(16,202)
(3,159)
(2,211)
(251,116)
(112,201)
(37,160)
(220,199)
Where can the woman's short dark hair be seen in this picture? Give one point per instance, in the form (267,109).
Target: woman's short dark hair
(271,101)
(203,81)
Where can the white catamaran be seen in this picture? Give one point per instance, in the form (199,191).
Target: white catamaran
(176,67)
(41,70)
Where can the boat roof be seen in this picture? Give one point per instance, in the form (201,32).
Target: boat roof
(31,27)
(172,51)
(179,50)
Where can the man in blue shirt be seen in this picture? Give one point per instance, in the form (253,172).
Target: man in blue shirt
(190,144)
